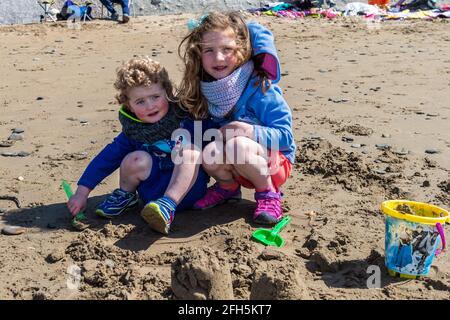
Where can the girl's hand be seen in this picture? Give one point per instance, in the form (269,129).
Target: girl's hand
(237,129)
(78,201)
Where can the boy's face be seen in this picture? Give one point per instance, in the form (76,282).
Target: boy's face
(149,104)
(219,57)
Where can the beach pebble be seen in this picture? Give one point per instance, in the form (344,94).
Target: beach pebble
(356,145)
(6,143)
(426,183)
(15,137)
(2,210)
(401,152)
(383,146)
(286,73)
(420,112)
(79,156)
(23,154)
(40,98)
(71,119)
(385,135)
(432,114)
(84,121)
(271,254)
(8,154)
(18,130)
(20,178)
(15,154)
(431,151)
(347,139)
(379,171)
(313,137)
(12,230)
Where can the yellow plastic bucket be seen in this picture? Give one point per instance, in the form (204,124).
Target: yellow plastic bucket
(414,231)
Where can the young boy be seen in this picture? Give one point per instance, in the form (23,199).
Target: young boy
(143,150)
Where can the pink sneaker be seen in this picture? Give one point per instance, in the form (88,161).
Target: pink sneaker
(216,195)
(268,207)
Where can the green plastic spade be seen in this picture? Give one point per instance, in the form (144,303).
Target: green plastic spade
(80,215)
(271,237)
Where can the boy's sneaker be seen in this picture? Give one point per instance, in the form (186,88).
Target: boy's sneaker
(125,18)
(116,203)
(268,207)
(216,195)
(159,214)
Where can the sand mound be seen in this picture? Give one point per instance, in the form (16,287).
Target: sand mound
(279,279)
(201,274)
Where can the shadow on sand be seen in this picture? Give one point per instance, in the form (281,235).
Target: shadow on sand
(187,224)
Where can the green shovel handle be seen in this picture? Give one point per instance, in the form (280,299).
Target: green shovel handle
(68,190)
(280,225)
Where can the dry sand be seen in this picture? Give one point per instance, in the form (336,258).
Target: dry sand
(343,79)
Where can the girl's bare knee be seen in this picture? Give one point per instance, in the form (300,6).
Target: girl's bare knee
(242,150)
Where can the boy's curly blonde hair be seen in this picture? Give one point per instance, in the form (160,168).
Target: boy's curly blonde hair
(190,52)
(141,71)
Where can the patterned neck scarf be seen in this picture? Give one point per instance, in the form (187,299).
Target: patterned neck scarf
(149,133)
(223,94)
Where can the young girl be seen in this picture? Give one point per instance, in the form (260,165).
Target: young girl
(143,149)
(226,79)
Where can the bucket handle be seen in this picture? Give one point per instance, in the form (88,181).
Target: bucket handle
(441,233)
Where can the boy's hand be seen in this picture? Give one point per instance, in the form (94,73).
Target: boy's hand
(78,201)
(237,129)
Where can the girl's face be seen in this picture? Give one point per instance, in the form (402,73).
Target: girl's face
(149,104)
(219,57)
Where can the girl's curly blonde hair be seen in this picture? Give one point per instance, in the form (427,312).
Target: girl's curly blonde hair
(190,52)
(141,71)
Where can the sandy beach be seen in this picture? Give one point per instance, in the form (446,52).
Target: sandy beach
(371,112)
